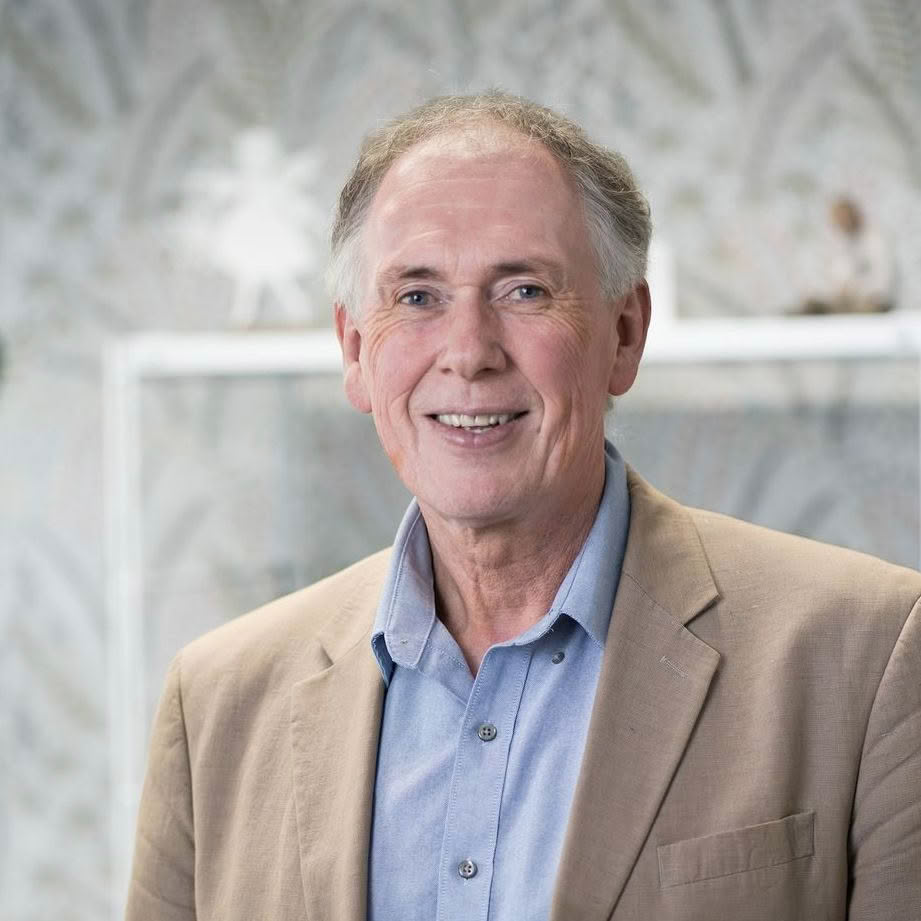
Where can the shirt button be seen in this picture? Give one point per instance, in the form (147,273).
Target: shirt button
(558,657)
(487,732)
(467,869)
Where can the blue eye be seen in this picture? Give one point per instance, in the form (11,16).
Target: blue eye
(416,298)
(530,292)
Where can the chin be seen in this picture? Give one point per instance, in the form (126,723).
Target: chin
(475,508)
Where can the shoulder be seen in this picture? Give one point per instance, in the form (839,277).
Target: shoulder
(756,567)
(687,558)
(293,636)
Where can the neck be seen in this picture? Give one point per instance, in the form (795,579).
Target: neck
(493,583)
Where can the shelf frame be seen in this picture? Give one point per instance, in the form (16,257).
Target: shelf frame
(130,361)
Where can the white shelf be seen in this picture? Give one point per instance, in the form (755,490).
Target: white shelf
(231,353)
(895,335)
(891,335)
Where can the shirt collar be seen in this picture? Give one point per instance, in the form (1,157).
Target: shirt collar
(406,611)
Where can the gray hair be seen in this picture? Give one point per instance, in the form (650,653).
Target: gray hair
(616,212)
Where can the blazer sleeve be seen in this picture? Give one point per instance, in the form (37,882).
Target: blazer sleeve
(885,840)
(162,886)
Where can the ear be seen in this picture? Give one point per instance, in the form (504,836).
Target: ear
(632,319)
(350,342)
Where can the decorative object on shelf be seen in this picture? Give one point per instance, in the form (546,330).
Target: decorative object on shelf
(257,222)
(852,270)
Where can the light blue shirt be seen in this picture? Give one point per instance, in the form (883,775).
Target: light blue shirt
(475,777)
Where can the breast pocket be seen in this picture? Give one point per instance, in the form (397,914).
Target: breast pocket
(737,851)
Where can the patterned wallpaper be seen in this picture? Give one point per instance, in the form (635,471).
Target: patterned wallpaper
(146,144)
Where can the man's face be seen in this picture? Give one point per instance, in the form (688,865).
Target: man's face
(485,348)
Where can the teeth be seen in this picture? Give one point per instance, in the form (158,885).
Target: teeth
(481,420)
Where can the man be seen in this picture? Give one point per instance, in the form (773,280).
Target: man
(560,694)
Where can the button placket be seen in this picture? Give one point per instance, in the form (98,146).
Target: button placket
(471,825)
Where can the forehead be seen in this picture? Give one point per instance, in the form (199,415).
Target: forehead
(467,158)
(473,192)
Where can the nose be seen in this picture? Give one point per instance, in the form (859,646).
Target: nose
(472,338)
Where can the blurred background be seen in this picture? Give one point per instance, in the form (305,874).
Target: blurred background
(169,167)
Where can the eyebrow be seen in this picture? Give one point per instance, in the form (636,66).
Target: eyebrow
(393,276)
(527,266)
(408,272)
(404,272)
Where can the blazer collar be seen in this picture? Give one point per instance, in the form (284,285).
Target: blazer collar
(664,553)
(335,726)
(654,678)
(352,622)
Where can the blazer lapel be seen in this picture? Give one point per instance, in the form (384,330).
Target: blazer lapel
(654,679)
(335,725)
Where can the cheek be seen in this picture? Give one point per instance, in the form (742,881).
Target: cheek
(388,364)
(389,431)
(567,368)
(381,326)
(392,368)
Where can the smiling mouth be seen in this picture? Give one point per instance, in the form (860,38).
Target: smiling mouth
(481,422)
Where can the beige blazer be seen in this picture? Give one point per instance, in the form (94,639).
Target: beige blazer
(754,749)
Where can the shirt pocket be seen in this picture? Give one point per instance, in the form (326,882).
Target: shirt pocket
(737,851)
